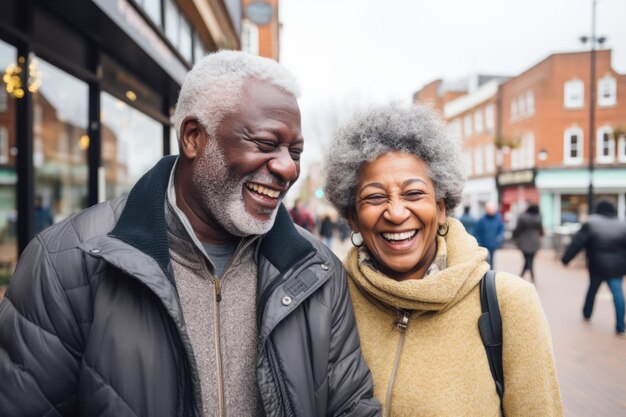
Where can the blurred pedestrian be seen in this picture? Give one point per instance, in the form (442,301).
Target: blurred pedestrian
(527,236)
(468,221)
(489,231)
(302,216)
(327,229)
(604,239)
(43,215)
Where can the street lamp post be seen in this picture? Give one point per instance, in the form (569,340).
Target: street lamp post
(592,99)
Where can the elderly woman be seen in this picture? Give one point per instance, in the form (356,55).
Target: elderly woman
(415,275)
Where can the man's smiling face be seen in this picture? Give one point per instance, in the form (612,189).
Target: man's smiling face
(245,170)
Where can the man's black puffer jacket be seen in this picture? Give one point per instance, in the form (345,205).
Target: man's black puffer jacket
(91,324)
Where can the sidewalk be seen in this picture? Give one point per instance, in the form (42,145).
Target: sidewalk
(590,359)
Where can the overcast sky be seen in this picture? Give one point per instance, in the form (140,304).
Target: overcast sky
(347,53)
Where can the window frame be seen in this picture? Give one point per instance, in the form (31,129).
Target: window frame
(567,146)
(611,83)
(568,101)
(600,157)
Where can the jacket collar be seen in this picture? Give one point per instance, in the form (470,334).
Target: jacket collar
(142,224)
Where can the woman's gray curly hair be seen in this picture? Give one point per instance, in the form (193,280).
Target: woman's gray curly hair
(390,128)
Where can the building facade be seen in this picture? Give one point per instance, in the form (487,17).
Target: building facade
(526,139)
(87,93)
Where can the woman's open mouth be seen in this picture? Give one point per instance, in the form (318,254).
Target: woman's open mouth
(399,237)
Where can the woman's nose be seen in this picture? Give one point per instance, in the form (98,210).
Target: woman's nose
(396,212)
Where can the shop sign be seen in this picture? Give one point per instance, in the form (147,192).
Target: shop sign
(521,177)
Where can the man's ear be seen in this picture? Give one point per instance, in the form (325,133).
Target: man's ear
(192,137)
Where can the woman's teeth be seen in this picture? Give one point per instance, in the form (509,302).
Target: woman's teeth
(399,236)
(263,190)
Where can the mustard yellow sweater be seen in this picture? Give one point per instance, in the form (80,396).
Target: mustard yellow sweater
(442,368)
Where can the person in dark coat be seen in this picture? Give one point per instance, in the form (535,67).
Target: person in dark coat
(527,236)
(489,231)
(327,228)
(604,239)
(468,221)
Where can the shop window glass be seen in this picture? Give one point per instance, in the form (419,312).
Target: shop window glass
(8,175)
(153,10)
(467,125)
(60,122)
(184,39)
(173,142)
(172,22)
(198,48)
(131,144)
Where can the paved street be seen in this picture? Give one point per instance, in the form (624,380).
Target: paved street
(590,359)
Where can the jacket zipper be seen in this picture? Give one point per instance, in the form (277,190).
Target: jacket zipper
(217,337)
(401,325)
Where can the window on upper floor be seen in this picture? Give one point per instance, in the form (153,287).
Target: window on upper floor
(513,109)
(521,107)
(573,146)
(530,102)
(490,153)
(467,125)
(574,94)
(489,118)
(607,91)
(478,121)
(621,149)
(528,145)
(478,160)
(152,9)
(455,129)
(467,161)
(605,145)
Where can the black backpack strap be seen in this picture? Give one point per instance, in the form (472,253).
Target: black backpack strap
(490,326)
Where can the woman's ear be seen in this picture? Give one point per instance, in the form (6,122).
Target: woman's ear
(192,137)
(441,212)
(352,219)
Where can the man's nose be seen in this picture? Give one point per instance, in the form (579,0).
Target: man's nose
(284,166)
(396,212)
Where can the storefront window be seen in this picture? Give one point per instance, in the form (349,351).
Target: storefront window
(573,208)
(153,9)
(8,175)
(60,143)
(173,142)
(131,144)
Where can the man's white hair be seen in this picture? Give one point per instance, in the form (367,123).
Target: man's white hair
(212,89)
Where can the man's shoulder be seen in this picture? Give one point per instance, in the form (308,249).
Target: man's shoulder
(94,221)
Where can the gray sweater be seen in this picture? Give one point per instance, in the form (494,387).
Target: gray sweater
(220,316)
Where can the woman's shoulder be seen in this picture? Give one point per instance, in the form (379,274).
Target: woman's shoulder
(512,289)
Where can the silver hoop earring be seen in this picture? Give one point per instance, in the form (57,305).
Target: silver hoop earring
(443,229)
(356,239)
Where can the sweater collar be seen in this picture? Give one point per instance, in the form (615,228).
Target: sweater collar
(438,291)
(142,223)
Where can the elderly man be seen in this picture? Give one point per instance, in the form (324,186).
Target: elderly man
(195,295)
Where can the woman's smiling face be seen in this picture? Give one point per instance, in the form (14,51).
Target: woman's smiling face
(397,214)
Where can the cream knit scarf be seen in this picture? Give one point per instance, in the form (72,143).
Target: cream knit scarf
(438,291)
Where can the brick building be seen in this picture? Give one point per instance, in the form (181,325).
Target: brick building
(525,139)
(261,28)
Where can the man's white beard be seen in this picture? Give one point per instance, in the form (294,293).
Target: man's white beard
(222,196)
